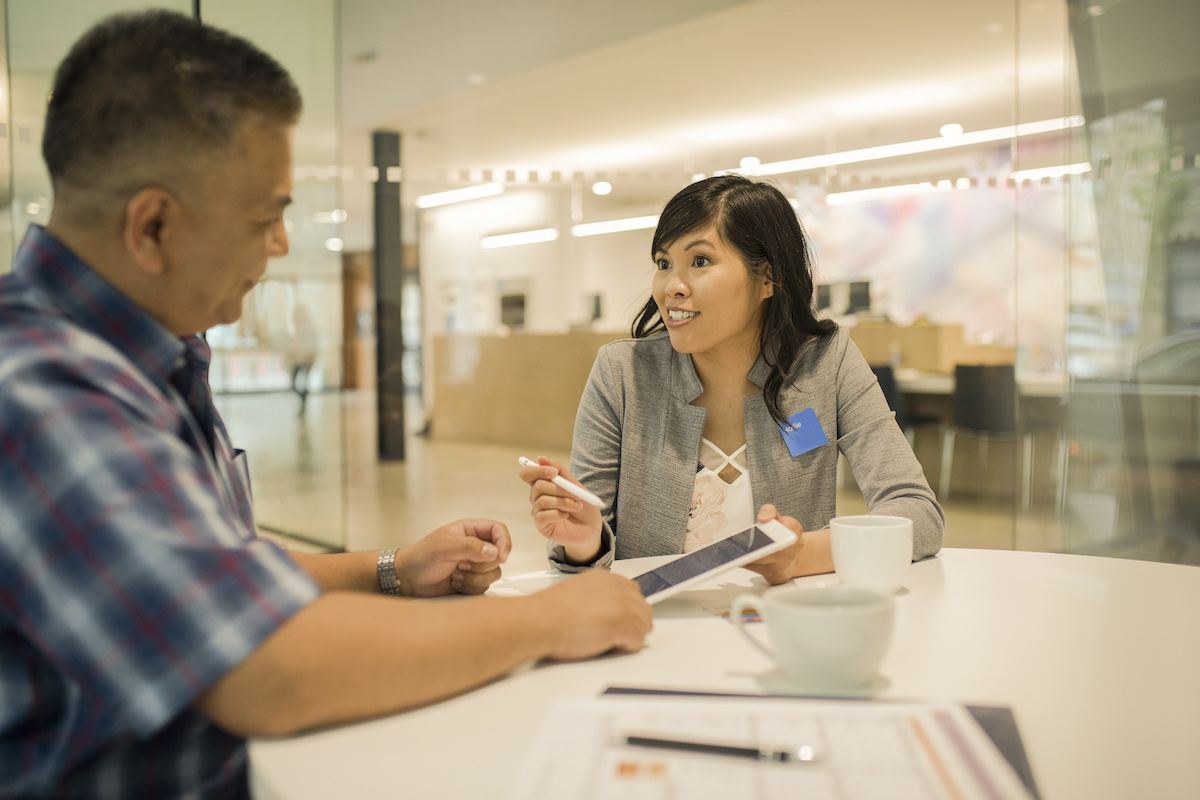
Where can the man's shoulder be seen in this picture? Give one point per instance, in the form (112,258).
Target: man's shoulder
(42,349)
(33,330)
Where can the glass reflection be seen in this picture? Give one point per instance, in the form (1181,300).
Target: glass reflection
(1133,414)
(277,372)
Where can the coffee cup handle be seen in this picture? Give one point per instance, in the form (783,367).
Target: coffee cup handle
(740,604)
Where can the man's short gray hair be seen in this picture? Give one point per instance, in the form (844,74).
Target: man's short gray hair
(142,99)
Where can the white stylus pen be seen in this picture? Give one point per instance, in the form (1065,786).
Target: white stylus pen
(559,480)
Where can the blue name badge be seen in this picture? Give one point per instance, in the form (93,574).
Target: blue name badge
(803,432)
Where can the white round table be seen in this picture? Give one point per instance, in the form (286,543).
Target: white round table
(1099,659)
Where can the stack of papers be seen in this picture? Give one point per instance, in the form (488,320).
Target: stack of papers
(863,751)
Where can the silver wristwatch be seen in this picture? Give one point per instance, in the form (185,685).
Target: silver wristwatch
(386,567)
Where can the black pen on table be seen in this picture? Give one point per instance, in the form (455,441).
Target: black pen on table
(802,754)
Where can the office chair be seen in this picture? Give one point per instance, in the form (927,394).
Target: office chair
(985,406)
(895,400)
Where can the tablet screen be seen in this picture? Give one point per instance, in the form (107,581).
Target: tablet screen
(702,560)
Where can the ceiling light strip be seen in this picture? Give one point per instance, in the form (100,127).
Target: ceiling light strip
(614,225)
(1051,172)
(522,237)
(459,195)
(884,192)
(918,146)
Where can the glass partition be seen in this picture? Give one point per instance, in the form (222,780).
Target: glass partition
(1133,336)
(38,36)
(897,135)
(276,373)
(990,184)
(1005,183)
(7,245)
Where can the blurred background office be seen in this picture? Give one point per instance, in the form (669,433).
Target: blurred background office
(1003,198)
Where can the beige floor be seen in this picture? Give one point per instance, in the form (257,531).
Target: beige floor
(318,479)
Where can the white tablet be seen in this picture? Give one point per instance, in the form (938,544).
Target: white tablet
(699,565)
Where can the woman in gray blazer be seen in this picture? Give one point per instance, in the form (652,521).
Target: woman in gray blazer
(730,403)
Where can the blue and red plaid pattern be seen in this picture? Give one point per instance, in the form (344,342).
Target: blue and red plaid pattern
(131,578)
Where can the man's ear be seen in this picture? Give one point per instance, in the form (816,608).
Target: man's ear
(146,215)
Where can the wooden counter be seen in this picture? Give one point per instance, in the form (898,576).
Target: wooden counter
(520,390)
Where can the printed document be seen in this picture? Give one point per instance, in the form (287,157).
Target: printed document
(863,751)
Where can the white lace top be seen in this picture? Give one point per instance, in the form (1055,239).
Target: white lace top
(719,509)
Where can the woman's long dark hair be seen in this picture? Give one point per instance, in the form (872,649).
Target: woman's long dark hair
(756,220)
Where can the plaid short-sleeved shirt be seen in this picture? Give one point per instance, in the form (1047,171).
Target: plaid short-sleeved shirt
(131,579)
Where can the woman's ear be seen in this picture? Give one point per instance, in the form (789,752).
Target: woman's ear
(146,215)
(769,280)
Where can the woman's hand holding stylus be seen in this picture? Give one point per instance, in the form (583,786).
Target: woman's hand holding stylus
(559,515)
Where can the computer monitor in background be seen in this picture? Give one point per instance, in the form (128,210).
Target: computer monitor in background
(823,300)
(860,297)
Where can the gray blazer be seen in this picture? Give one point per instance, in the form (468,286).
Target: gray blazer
(637,445)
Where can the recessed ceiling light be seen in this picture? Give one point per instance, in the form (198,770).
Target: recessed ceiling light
(750,163)
(602,188)
(336,245)
(951,129)
(337,215)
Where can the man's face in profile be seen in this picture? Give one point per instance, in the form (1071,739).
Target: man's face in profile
(230,225)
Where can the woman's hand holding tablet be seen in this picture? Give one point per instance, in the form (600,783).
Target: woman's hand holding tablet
(698,566)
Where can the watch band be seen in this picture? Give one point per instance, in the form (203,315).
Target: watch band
(386,567)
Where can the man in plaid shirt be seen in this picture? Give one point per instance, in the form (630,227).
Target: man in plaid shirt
(144,628)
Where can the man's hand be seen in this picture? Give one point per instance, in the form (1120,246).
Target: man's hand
(808,555)
(462,557)
(594,612)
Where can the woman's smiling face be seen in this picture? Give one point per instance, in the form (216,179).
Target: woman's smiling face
(708,299)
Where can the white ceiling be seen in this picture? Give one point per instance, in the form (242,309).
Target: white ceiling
(774,79)
(400,55)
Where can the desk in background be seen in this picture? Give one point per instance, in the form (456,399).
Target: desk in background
(1051,385)
(1098,659)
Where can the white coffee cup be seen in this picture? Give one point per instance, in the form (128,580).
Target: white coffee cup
(872,551)
(822,636)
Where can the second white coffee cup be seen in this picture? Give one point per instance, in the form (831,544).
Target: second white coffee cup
(872,551)
(824,637)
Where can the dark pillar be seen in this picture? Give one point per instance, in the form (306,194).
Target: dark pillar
(389,281)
